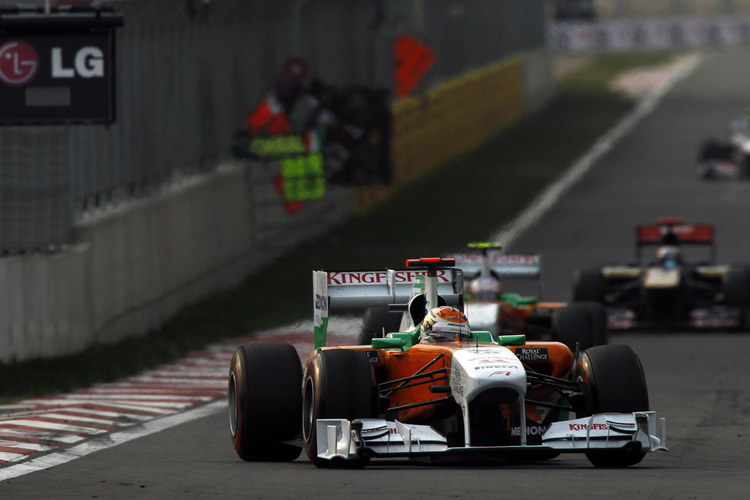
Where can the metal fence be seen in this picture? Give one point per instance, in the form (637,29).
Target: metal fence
(189,71)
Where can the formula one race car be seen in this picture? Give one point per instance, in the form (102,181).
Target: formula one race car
(458,395)
(582,324)
(727,159)
(499,313)
(671,291)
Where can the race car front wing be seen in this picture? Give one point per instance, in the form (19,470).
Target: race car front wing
(344,439)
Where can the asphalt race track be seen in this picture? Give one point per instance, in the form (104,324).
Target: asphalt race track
(699,382)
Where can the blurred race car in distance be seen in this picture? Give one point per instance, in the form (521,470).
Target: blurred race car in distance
(485,268)
(727,159)
(460,394)
(575,10)
(670,291)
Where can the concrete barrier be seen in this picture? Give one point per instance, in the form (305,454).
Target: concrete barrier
(135,266)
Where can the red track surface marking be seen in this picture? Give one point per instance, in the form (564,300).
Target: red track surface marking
(42,425)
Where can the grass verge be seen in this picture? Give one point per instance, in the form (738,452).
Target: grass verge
(470,197)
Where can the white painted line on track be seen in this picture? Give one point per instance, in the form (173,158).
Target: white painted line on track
(41,424)
(526,219)
(123,436)
(26,446)
(10,456)
(73,412)
(76,418)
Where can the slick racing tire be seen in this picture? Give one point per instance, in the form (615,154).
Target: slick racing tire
(377,320)
(599,329)
(737,286)
(338,383)
(588,286)
(612,380)
(265,402)
(583,324)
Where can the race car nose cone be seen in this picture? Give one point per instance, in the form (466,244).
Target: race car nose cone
(476,370)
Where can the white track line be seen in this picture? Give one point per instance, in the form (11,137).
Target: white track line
(526,219)
(123,436)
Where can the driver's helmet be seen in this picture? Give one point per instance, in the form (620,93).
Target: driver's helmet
(442,324)
(484,289)
(669,256)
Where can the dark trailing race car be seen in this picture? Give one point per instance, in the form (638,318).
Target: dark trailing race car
(437,389)
(671,290)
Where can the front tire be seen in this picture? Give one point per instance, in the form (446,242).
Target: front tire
(612,380)
(265,402)
(338,383)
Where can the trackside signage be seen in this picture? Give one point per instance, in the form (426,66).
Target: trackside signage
(57,69)
(380,277)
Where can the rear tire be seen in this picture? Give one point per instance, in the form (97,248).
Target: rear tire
(588,286)
(737,292)
(583,323)
(737,286)
(265,402)
(612,380)
(338,383)
(599,328)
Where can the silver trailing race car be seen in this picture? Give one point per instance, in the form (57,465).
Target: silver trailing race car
(490,307)
(436,389)
(670,291)
(729,158)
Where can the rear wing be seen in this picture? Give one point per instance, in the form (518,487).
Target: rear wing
(672,231)
(389,287)
(502,266)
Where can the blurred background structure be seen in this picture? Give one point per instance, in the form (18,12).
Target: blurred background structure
(107,230)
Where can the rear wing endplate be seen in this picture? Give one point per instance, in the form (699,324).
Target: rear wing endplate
(502,266)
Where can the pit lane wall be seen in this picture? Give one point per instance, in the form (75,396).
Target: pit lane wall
(137,265)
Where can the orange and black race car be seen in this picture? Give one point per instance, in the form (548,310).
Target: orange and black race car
(671,290)
(466,395)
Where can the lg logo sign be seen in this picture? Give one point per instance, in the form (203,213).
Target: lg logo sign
(88,63)
(20,63)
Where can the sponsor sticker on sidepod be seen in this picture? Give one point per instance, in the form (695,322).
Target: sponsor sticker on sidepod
(532,353)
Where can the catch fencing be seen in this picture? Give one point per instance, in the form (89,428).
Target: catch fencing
(188,73)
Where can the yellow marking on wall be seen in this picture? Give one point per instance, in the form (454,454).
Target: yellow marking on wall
(449,119)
